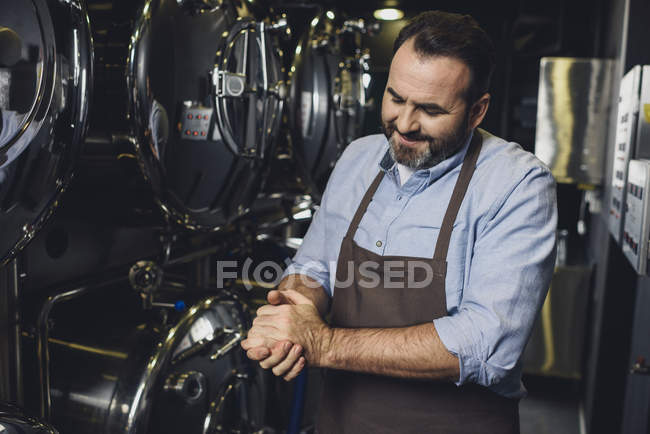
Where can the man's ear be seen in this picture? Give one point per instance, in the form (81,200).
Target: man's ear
(478,111)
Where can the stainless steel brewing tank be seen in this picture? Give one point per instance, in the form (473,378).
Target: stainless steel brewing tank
(206,88)
(14,421)
(45,81)
(142,371)
(330,79)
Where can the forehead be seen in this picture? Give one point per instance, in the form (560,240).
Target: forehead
(439,79)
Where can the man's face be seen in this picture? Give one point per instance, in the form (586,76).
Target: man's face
(424,113)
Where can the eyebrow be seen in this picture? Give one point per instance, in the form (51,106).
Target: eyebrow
(432,106)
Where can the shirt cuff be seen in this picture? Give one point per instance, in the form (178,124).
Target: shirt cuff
(450,337)
(321,278)
(472,368)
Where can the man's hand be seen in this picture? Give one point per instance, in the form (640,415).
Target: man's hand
(298,322)
(284,358)
(278,325)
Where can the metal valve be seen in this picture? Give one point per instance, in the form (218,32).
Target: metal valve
(235,336)
(232,337)
(146,277)
(189,386)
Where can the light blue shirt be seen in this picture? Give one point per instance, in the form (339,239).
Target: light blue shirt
(501,255)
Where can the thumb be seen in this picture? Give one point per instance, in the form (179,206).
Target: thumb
(294,297)
(275,297)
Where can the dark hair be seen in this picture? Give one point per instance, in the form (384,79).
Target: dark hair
(439,33)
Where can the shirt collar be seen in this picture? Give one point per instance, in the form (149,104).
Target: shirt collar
(388,165)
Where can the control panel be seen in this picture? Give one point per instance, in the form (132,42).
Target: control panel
(626,122)
(637,217)
(195,122)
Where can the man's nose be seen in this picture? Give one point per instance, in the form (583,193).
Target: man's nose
(407,121)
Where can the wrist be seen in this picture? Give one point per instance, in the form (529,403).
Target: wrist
(323,346)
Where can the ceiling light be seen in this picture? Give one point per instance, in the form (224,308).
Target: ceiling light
(388,14)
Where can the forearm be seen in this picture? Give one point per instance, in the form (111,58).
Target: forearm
(309,288)
(408,352)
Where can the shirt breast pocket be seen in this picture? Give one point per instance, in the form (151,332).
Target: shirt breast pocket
(420,241)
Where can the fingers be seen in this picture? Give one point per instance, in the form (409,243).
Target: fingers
(295,370)
(278,352)
(269,310)
(284,366)
(287,296)
(294,297)
(264,320)
(274,297)
(258,353)
(257,341)
(266,309)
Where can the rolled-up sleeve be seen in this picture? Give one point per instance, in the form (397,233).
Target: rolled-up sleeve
(510,271)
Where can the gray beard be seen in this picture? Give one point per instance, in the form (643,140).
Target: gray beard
(438,149)
(428,158)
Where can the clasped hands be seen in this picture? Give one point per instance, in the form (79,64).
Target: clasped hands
(287,334)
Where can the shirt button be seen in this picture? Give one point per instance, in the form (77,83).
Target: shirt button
(399,197)
(378,243)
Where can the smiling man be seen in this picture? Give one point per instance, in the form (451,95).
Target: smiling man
(434,246)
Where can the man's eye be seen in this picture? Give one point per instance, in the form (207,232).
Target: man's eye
(433,112)
(398,101)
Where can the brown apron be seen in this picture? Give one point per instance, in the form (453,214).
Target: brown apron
(363,403)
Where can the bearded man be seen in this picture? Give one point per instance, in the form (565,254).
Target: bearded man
(434,247)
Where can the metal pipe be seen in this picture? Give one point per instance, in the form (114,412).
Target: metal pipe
(11,384)
(17,356)
(195,255)
(43,334)
(202,272)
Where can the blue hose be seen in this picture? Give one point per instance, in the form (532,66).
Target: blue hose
(297,403)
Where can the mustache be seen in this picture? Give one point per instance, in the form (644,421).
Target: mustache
(415,136)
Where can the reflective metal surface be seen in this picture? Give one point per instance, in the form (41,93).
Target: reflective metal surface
(14,421)
(149,373)
(11,374)
(574,102)
(329,92)
(44,96)
(556,344)
(206,88)
(42,341)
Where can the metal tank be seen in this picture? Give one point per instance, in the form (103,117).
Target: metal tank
(328,92)
(147,371)
(14,421)
(206,88)
(45,81)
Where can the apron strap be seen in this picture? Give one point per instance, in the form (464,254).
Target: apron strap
(462,183)
(367,198)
